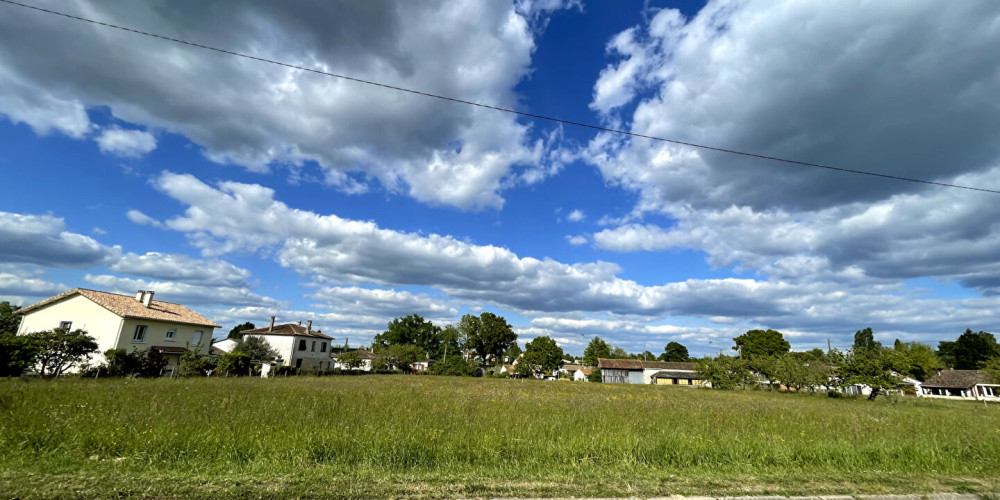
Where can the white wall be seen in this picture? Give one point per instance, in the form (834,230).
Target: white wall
(97,321)
(288,348)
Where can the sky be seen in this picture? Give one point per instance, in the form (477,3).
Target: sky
(244,189)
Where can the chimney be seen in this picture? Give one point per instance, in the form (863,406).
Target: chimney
(309,326)
(271,328)
(148,299)
(300,322)
(139,295)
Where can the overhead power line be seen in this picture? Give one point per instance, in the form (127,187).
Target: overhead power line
(501,109)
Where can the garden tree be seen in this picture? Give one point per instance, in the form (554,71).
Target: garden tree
(875,367)
(761,343)
(121,363)
(256,348)
(646,356)
(9,319)
(595,376)
(970,350)
(597,348)
(17,354)
(455,366)
(865,339)
(235,364)
(513,353)
(618,353)
(195,364)
(674,351)
(992,367)
(917,360)
(451,342)
(350,360)
(488,335)
(801,370)
(725,372)
(237,331)
(402,356)
(542,354)
(60,349)
(816,354)
(411,330)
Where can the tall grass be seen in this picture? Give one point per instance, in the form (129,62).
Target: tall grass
(421,428)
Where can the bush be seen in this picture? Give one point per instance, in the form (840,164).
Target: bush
(234,364)
(17,353)
(121,363)
(194,364)
(455,366)
(595,376)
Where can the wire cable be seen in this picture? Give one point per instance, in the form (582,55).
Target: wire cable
(502,109)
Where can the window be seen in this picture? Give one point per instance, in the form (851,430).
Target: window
(302,345)
(197,338)
(66,325)
(313,348)
(298,362)
(140,334)
(170,334)
(322,347)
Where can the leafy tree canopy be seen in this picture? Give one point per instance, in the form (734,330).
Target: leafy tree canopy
(9,319)
(17,354)
(674,351)
(455,366)
(513,353)
(488,335)
(411,330)
(874,367)
(256,348)
(917,360)
(237,331)
(865,339)
(597,348)
(542,354)
(761,343)
(725,372)
(971,350)
(60,349)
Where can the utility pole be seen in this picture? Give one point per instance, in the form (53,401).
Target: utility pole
(829,348)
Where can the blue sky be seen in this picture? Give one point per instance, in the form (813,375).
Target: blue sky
(246,190)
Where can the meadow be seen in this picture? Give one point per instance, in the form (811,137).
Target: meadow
(432,437)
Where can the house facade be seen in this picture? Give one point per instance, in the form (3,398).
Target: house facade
(297,345)
(961,384)
(635,371)
(367,359)
(123,322)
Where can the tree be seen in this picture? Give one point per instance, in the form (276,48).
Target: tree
(411,330)
(121,363)
(402,357)
(9,319)
(597,348)
(801,370)
(235,364)
(59,349)
(725,372)
(674,351)
(865,339)
(595,376)
(488,335)
(992,367)
(917,360)
(237,331)
(542,355)
(618,353)
(513,353)
(195,364)
(875,367)
(256,348)
(350,360)
(761,343)
(972,349)
(17,354)
(455,366)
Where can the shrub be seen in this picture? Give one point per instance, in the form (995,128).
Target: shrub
(17,353)
(193,364)
(234,364)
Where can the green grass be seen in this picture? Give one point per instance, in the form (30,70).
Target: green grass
(421,436)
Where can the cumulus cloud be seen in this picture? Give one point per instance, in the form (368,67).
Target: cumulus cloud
(142,219)
(385,303)
(576,240)
(125,143)
(259,115)
(576,216)
(44,240)
(21,285)
(901,88)
(182,268)
(185,293)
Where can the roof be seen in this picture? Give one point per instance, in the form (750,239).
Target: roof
(361,353)
(127,307)
(586,370)
(958,378)
(571,367)
(638,364)
(675,374)
(170,349)
(288,329)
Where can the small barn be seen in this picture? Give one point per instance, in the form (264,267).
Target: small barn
(961,384)
(676,377)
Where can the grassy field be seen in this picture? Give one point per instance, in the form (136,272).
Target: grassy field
(421,436)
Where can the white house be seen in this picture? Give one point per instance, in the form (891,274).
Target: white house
(367,359)
(122,322)
(297,345)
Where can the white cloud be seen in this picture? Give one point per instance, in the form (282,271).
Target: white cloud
(576,216)
(125,143)
(264,116)
(21,285)
(185,293)
(385,303)
(184,269)
(44,240)
(142,219)
(576,240)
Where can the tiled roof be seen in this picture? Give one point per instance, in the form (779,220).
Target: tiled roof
(957,379)
(127,307)
(288,329)
(586,370)
(638,364)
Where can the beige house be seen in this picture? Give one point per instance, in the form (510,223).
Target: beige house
(297,345)
(122,322)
